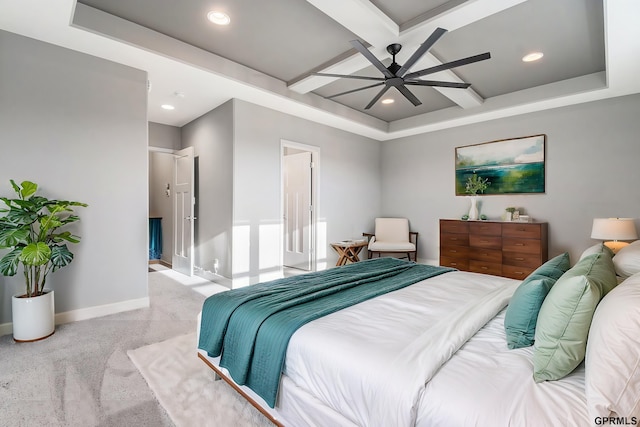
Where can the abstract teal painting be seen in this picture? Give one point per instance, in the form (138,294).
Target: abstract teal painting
(512,166)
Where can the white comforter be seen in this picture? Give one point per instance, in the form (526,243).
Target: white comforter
(371,362)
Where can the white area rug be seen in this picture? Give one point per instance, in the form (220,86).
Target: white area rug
(186,389)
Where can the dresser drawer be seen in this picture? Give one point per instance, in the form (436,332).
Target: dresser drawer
(485,267)
(514,272)
(454,251)
(460,264)
(525,231)
(487,255)
(452,239)
(451,226)
(481,241)
(485,228)
(527,246)
(520,259)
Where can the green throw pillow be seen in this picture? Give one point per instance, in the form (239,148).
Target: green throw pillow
(522,312)
(565,316)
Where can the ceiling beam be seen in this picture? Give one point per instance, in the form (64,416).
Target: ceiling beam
(365,20)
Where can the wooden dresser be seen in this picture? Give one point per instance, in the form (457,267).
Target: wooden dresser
(509,249)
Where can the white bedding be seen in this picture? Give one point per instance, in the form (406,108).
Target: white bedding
(486,384)
(370,362)
(340,370)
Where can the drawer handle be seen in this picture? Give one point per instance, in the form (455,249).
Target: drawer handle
(519,259)
(484,268)
(454,263)
(520,273)
(453,238)
(519,244)
(522,229)
(484,241)
(452,251)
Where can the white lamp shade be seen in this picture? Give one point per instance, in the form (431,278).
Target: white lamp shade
(614,229)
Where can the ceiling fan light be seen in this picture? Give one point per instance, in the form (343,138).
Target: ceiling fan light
(167,107)
(533,56)
(219,18)
(388,101)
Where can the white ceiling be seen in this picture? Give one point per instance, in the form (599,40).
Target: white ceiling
(266,54)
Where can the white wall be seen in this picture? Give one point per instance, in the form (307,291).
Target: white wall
(592,155)
(77,125)
(349,187)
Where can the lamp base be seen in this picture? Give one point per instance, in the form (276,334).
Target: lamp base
(615,246)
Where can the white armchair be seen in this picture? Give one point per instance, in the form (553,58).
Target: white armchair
(392,236)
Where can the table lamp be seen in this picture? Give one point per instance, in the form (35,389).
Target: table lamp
(612,230)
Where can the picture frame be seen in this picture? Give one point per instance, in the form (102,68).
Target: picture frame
(512,166)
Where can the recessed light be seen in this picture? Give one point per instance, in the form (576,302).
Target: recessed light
(533,56)
(219,18)
(387,101)
(168,107)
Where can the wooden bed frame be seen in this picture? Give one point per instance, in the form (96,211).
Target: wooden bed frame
(220,375)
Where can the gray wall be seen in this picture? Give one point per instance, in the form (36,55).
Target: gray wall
(592,154)
(77,125)
(349,196)
(212,138)
(164,136)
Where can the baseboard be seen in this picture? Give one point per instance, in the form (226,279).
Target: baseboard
(213,277)
(89,313)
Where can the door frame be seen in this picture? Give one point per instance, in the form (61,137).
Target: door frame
(315,186)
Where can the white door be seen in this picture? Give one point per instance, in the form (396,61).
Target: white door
(297,210)
(183,202)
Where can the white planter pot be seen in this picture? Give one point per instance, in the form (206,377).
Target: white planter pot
(33,318)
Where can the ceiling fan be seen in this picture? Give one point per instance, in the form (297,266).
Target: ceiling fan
(396,75)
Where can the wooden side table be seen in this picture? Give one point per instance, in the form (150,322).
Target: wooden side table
(348,251)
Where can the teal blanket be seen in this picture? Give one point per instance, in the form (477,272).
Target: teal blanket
(251,327)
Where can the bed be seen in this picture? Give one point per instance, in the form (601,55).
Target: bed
(434,353)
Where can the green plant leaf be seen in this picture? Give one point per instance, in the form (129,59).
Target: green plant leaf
(35,254)
(28,189)
(15,186)
(9,262)
(66,235)
(10,237)
(60,256)
(17,216)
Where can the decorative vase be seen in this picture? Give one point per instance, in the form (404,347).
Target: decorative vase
(33,318)
(473,209)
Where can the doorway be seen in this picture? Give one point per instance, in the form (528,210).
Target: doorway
(300,164)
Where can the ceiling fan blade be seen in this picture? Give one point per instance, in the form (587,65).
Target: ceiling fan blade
(378,96)
(354,90)
(407,94)
(375,61)
(345,76)
(424,47)
(437,83)
(449,65)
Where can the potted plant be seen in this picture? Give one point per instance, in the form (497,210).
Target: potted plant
(31,230)
(508,216)
(473,186)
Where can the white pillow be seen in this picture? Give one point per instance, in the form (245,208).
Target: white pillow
(612,363)
(595,249)
(627,260)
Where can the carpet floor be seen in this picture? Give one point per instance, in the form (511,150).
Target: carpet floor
(82,376)
(185,387)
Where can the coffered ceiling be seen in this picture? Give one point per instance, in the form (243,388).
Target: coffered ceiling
(270,49)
